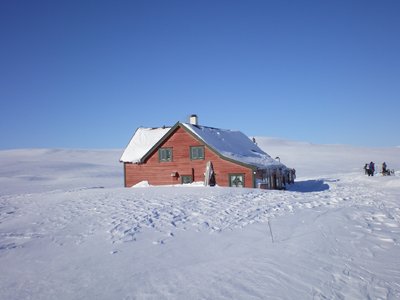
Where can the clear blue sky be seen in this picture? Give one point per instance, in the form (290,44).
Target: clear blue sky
(86,74)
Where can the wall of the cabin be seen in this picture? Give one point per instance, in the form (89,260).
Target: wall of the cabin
(159,173)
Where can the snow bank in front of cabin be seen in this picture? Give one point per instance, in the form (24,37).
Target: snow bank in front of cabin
(145,183)
(234,145)
(142,141)
(332,238)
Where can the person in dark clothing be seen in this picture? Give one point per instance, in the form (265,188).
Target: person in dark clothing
(384,170)
(371,169)
(366,169)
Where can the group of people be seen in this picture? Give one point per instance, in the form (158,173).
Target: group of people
(370,169)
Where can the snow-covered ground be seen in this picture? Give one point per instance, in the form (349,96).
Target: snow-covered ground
(68,230)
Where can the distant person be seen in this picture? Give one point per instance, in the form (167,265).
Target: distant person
(366,168)
(384,168)
(371,169)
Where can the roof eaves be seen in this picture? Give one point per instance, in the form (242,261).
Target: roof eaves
(120,160)
(168,134)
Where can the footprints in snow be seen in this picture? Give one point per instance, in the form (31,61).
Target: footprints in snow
(124,216)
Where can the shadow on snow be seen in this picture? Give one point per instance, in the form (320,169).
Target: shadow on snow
(308,186)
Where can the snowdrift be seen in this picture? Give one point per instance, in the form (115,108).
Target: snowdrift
(68,230)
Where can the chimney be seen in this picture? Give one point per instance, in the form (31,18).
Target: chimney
(194,120)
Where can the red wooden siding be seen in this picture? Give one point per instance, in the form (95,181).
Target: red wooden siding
(159,173)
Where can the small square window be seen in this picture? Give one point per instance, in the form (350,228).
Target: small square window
(186,179)
(197,152)
(236,180)
(165,154)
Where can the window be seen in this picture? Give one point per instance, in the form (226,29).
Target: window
(186,179)
(236,180)
(197,152)
(165,154)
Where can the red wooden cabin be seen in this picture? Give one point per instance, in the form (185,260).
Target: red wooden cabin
(179,155)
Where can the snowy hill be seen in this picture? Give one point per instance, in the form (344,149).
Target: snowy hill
(40,170)
(318,160)
(68,230)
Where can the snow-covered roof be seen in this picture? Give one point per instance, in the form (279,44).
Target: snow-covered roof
(142,141)
(233,145)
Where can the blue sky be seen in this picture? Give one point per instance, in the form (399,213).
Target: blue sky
(86,74)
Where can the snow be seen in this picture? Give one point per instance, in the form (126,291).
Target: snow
(142,141)
(233,145)
(143,183)
(40,170)
(68,230)
(310,160)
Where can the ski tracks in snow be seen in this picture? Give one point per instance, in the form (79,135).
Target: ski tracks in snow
(122,214)
(349,230)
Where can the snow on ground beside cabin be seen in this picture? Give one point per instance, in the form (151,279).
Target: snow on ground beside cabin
(74,234)
(312,160)
(40,170)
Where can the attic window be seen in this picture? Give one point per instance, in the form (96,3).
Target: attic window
(165,154)
(197,152)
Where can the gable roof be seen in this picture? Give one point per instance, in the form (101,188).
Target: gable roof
(231,145)
(142,142)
